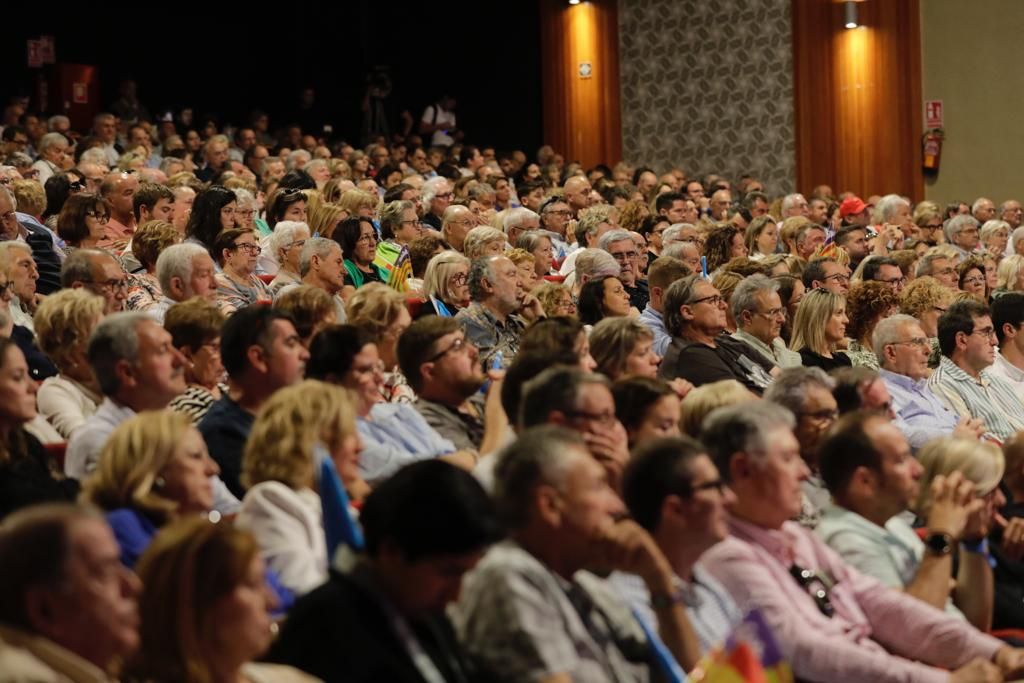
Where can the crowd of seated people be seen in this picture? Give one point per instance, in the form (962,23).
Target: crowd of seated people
(577,422)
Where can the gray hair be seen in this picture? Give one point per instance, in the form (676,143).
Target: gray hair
(478,238)
(315,163)
(320,247)
(791,200)
(479,270)
(438,272)
(530,240)
(556,388)
(595,263)
(541,455)
(678,294)
(94,155)
(283,235)
(790,388)
(676,249)
(956,224)
(297,154)
(391,213)
(167,162)
(514,218)
(672,232)
(244,198)
(18,160)
(887,332)
(176,262)
(1017,236)
(744,297)
(992,226)
(887,206)
(116,338)
(977,203)
(51,140)
(746,428)
(590,219)
(431,189)
(927,263)
(613,236)
(480,190)
(57,120)
(9,196)
(77,267)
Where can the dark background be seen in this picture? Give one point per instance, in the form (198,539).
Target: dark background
(225,59)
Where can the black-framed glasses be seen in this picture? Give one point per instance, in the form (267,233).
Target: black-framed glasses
(714,300)
(77,186)
(624,255)
(369,238)
(818,585)
(250,248)
(605,418)
(841,278)
(829,414)
(100,217)
(988,332)
(458,279)
(454,347)
(716,484)
(112,285)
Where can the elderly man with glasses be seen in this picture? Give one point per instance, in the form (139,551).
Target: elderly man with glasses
(620,244)
(833,622)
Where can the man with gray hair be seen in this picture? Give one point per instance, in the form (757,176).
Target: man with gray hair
(701,352)
(760,315)
(215,158)
(183,271)
(903,348)
(794,205)
(517,221)
(833,623)
(983,209)
(687,252)
(963,234)
(100,273)
(937,263)
(322,266)
(592,223)
(436,196)
(490,322)
(591,263)
(458,221)
(137,368)
(564,522)
(620,244)
(53,157)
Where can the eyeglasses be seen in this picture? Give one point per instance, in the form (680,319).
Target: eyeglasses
(773,313)
(717,485)
(895,282)
(113,285)
(458,279)
(714,300)
(100,217)
(369,369)
(624,255)
(605,418)
(841,278)
(818,585)
(931,226)
(445,195)
(916,341)
(77,186)
(988,332)
(820,415)
(250,248)
(414,222)
(368,238)
(455,347)
(296,243)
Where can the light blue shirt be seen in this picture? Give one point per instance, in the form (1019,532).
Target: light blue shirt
(394,435)
(653,320)
(920,415)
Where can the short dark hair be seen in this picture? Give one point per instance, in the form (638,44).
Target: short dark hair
(658,469)
(554,389)
(248,326)
(557,334)
(873,264)
(416,345)
(193,323)
(226,240)
(148,195)
(1007,309)
(845,448)
(665,200)
(332,350)
(525,366)
(815,270)
(849,382)
(462,518)
(421,250)
(959,317)
(844,233)
(665,270)
(297,179)
(634,396)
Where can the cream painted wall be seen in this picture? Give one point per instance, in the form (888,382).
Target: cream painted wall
(971,62)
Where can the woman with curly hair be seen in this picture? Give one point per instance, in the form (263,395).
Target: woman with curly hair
(724,243)
(867,303)
(972,277)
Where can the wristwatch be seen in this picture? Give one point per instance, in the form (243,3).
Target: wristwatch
(939,543)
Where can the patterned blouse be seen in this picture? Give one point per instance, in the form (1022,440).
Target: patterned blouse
(231,295)
(143,292)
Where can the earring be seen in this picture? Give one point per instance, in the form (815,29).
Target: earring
(159,483)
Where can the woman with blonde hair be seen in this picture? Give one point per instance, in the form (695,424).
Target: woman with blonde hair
(762,237)
(819,328)
(63,323)
(280,470)
(205,609)
(445,284)
(526,264)
(325,217)
(311,309)
(359,203)
(154,468)
(1010,275)
(381,312)
(700,402)
(555,298)
(926,299)
(483,241)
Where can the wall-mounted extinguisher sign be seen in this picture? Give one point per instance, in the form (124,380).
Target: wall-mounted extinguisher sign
(931,150)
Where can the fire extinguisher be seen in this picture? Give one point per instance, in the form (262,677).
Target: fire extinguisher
(931,150)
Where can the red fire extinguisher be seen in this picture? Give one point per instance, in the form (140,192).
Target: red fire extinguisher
(931,150)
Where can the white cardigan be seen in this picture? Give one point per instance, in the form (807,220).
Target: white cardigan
(288,525)
(66,404)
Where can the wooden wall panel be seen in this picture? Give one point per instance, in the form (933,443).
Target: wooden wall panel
(858,97)
(582,118)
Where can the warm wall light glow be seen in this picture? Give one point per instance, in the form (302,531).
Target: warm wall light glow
(574,2)
(850,13)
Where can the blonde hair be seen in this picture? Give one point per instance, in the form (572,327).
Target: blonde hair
(478,238)
(790,227)
(612,340)
(131,461)
(374,307)
(353,200)
(521,256)
(288,426)
(30,196)
(817,306)
(151,239)
(1009,272)
(438,274)
(64,321)
(700,402)
(982,463)
(323,218)
(308,306)
(550,295)
(922,294)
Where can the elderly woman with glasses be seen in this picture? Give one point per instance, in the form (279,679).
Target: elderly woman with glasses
(286,242)
(358,240)
(399,226)
(237,284)
(445,284)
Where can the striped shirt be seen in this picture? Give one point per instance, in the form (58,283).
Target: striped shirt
(990,398)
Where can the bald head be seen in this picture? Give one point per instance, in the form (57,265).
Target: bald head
(577,193)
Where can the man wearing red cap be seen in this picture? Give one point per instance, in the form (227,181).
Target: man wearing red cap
(853,211)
